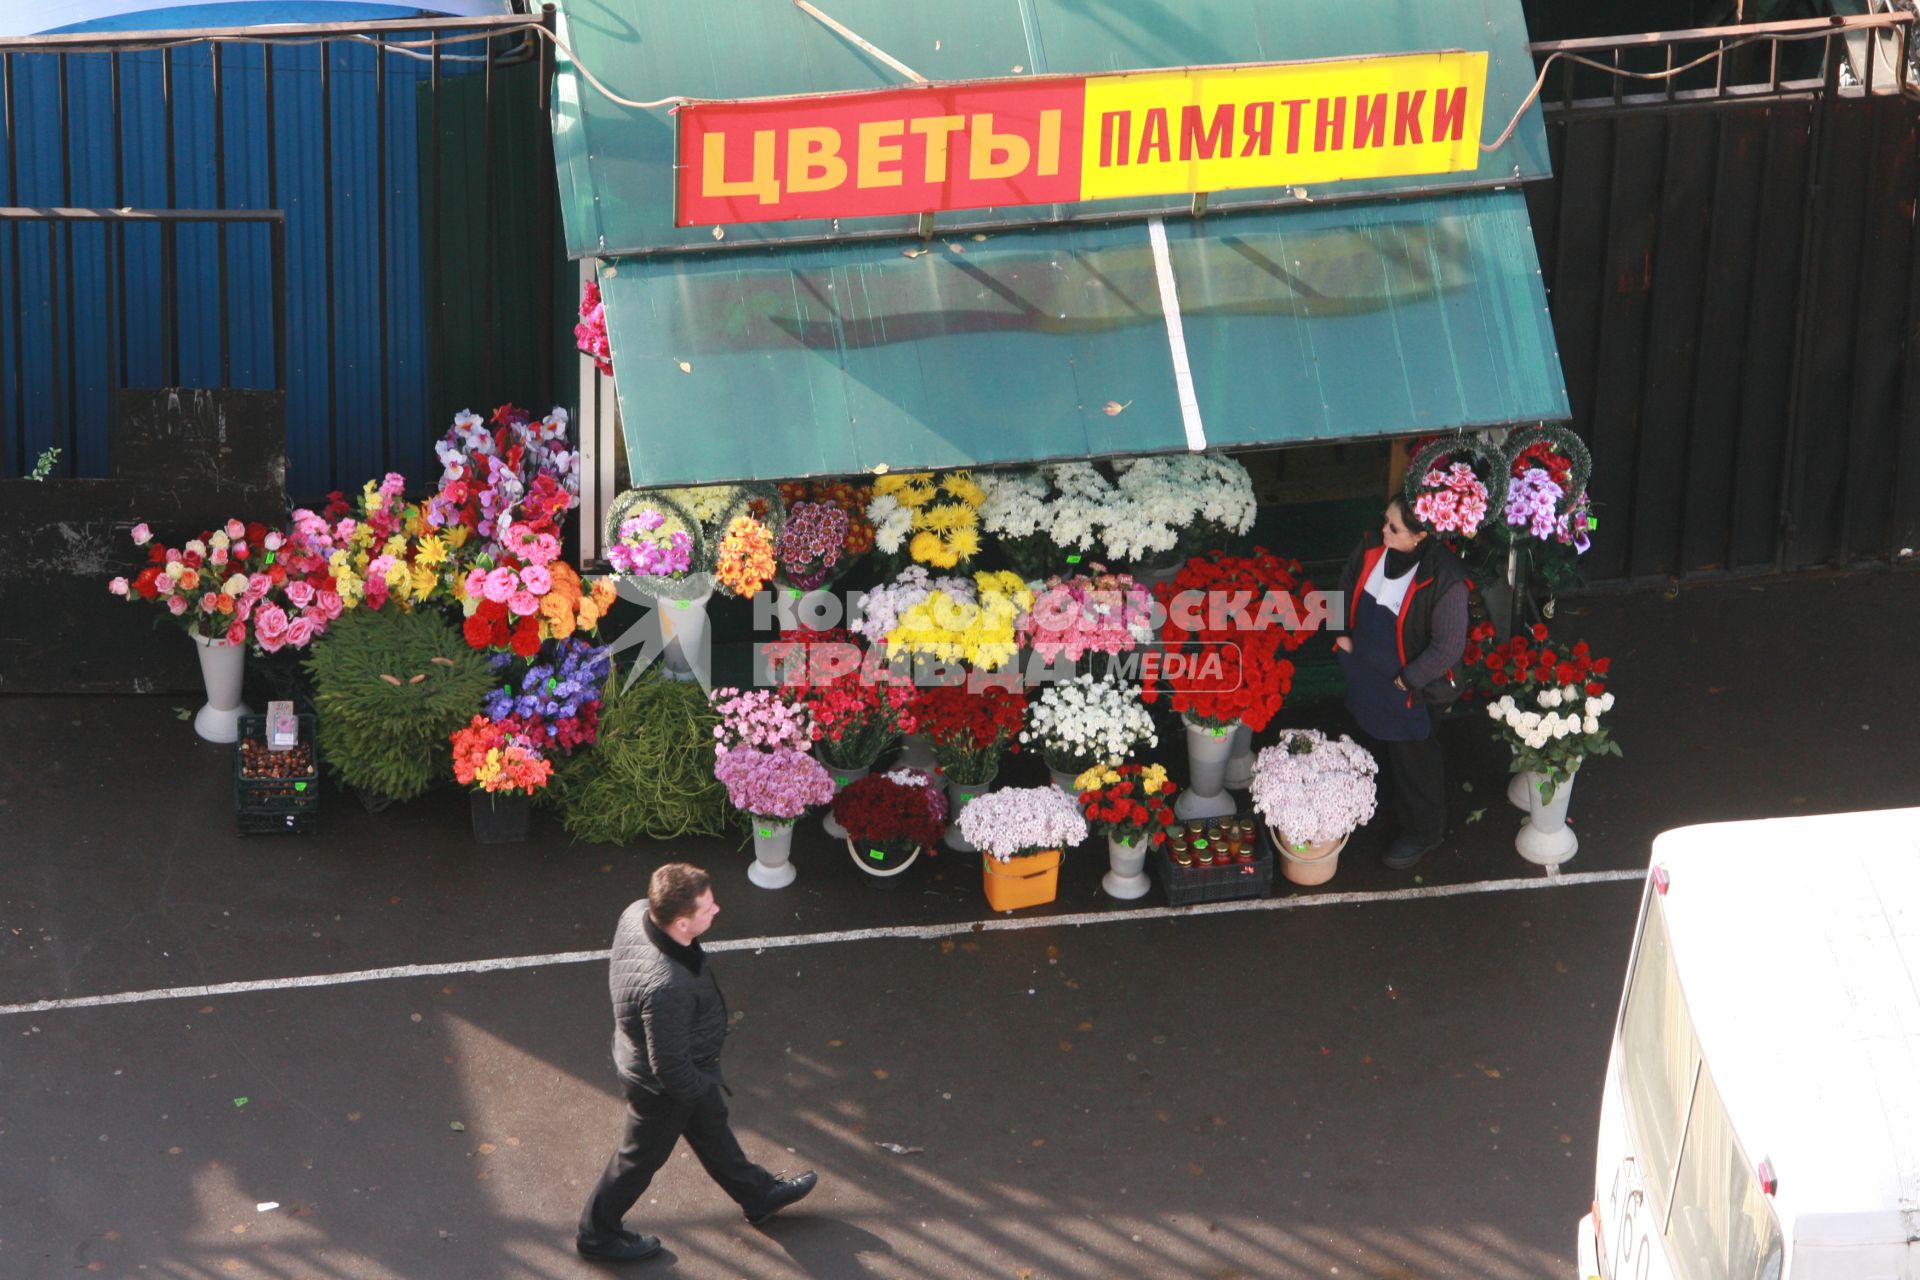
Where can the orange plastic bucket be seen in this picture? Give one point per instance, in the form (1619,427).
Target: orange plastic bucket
(1024,880)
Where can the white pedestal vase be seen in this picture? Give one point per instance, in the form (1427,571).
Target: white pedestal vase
(221,667)
(1240,760)
(1546,840)
(1126,876)
(1206,791)
(772,854)
(841,778)
(683,630)
(958,794)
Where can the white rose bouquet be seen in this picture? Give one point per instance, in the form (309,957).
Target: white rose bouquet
(1560,728)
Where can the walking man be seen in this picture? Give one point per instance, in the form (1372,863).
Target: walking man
(669,1022)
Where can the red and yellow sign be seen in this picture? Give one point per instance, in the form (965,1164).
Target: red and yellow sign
(1062,139)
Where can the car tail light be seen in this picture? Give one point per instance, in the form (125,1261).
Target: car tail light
(1769,1181)
(1660,881)
(1599,1240)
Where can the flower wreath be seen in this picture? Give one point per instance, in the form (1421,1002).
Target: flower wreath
(673,519)
(1546,438)
(1440,458)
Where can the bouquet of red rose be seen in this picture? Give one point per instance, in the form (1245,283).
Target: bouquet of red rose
(1529,661)
(1129,802)
(901,806)
(970,728)
(1229,621)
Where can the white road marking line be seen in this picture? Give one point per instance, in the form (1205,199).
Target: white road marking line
(924,932)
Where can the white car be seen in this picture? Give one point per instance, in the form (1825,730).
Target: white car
(1761,1116)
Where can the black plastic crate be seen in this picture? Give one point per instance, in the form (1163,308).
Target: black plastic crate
(276,806)
(1187,885)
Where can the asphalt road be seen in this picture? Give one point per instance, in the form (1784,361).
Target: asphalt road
(1394,1077)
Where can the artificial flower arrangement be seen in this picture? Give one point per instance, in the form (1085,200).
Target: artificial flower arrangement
(1452,483)
(958,621)
(809,550)
(775,786)
(970,728)
(760,720)
(1547,701)
(1094,612)
(529,595)
(934,518)
(234,584)
(556,700)
(590,333)
(496,756)
(1548,513)
(900,808)
(507,469)
(1021,821)
(683,542)
(850,498)
(1085,721)
(378,549)
(1311,788)
(1129,802)
(1225,666)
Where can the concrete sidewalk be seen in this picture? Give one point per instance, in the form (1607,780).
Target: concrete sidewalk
(1404,1086)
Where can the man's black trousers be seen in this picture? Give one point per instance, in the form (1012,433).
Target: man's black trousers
(654,1123)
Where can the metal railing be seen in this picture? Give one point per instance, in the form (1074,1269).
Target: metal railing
(1872,52)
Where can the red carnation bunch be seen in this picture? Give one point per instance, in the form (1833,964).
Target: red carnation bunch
(1229,621)
(904,806)
(1529,661)
(858,707)
(1129,802)
(970,728)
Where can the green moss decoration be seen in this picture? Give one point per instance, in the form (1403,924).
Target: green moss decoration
(389,687)
(651,772)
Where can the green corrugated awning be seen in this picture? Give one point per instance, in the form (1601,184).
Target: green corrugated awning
(1303,325)
(793,349)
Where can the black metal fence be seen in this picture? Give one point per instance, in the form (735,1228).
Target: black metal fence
(1735,289)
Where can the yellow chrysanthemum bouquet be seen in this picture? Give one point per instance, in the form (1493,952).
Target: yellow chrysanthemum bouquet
(978,627)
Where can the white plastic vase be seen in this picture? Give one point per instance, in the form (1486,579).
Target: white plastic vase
(1546,840)
(1206,794)
(1240,760)
(772,854)
(958,795)
(841,779)
(683,630)
(1063,780)
(222,666)
(1126,876)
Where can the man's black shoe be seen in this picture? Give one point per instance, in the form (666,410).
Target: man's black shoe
(625,1247)
(1405,853)
(785,1192)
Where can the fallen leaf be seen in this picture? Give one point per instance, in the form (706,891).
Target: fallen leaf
(1018,70)
(1038,1142)
(393,901)
(173,1151)
(912,253)
(1085,1026)
(456,1126)
(956,248)
(1467,787)
(96,1266)
(936,46)
(1366,1059)
(1162,1116)
(946,946)
(206,1008)
(1113,408)
(719,233)
(240,1102)
(1476,814)
(240,1230)
(1195,1169)
(1493,1073)
(352,1117)
(1565,1137)
(880,1073)
(182,713)
(979,235)
(969,946)
(835,1044)
(1559,966)
(487,1148)
(1066,1046)
(1024,1273)
(684,366)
